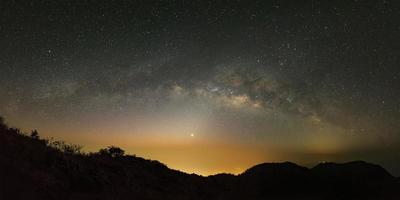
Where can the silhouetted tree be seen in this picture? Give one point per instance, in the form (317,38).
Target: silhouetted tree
(112,151)
(35,134)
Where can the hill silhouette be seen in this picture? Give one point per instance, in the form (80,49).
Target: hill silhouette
(35,168)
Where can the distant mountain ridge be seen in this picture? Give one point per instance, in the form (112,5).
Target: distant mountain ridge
(34,168)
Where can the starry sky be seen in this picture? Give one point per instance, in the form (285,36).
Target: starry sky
(208,86)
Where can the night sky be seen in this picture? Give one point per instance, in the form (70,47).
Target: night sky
(208,86)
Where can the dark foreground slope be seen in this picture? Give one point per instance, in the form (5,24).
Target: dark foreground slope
(32,168)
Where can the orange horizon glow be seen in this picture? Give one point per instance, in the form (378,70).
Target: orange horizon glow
(193,155)
(203,153)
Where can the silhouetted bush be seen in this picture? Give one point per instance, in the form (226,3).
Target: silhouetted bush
(112,151)
(16,131)
(35,134)
(66,148)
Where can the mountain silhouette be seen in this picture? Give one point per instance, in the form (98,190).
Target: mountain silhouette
(34,168)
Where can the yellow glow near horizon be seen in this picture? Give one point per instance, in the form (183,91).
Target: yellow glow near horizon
(205,150)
